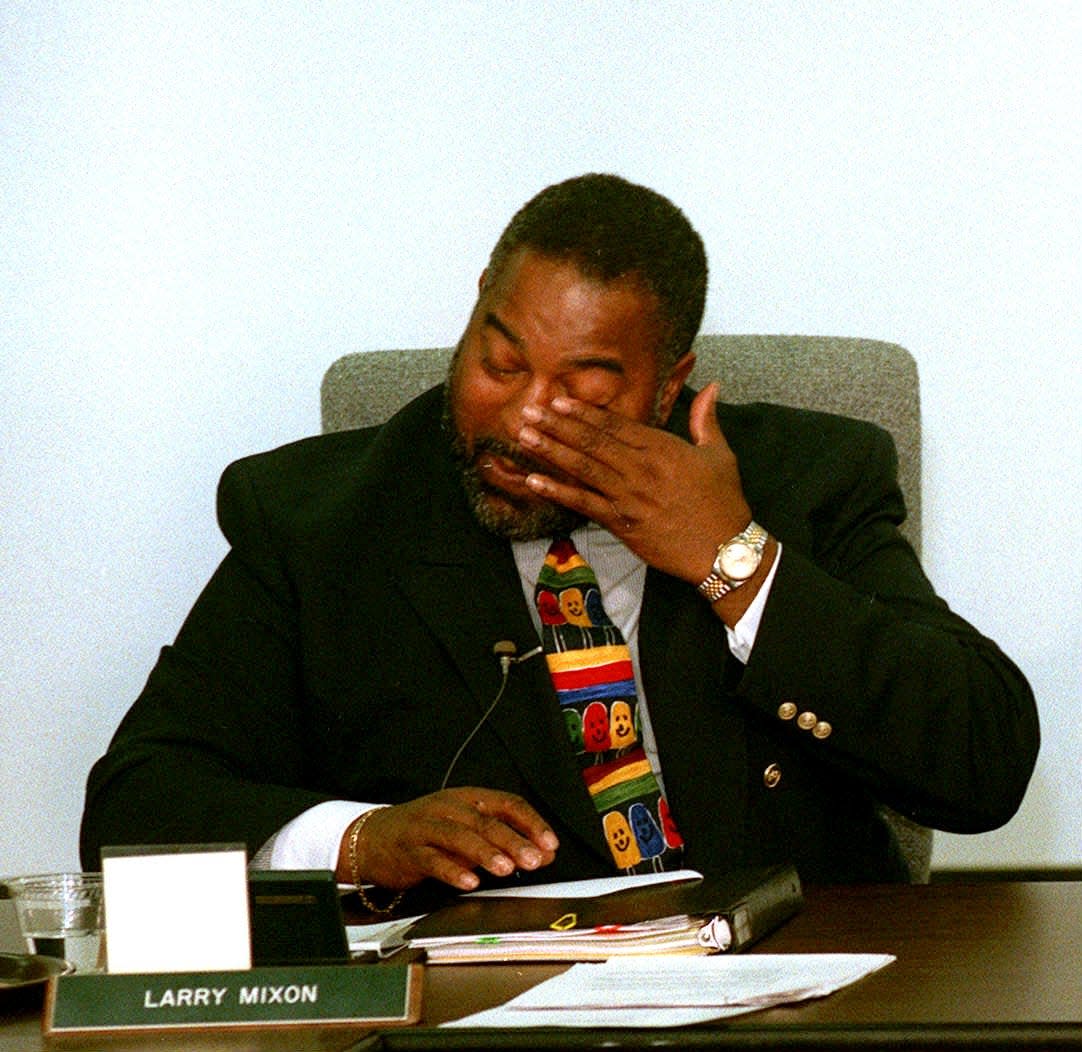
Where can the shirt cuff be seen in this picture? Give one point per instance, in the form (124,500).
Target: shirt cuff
(742,634)
(313,839)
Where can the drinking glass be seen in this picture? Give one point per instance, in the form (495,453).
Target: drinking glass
(60,915)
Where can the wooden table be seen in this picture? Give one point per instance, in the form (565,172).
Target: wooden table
(983,966)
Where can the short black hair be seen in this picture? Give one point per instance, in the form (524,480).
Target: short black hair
(611,228)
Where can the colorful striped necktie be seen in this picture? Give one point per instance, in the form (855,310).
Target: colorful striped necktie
(591,669)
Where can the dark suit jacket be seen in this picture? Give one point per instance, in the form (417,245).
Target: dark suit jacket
(343,649)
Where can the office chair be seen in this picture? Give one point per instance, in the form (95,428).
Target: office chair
(867,379)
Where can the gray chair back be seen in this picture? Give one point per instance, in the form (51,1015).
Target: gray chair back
(866,379)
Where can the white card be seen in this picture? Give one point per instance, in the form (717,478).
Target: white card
(176,909)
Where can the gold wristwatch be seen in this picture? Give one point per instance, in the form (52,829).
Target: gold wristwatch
(737,559)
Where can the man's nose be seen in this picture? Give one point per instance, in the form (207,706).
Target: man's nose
(538,391)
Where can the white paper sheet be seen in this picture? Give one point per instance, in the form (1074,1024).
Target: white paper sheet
(676,991)
(380,938)
(176,910)
(585,889)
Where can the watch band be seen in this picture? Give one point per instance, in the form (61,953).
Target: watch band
(716,584)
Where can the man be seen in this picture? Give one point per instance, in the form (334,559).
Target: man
(794,668)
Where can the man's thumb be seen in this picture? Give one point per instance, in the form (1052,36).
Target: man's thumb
(702,420)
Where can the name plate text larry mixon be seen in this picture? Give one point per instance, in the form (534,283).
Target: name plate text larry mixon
(327,995)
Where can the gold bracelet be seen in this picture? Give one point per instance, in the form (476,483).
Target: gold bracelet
(354,870)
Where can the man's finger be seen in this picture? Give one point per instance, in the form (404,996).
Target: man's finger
(520,816)
(598,432)
(575,456)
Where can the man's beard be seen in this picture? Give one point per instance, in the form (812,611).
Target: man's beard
(494,509)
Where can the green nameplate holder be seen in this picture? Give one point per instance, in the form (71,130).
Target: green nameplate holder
(325,995)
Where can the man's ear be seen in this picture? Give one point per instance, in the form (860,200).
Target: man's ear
(481,281)
(671,388)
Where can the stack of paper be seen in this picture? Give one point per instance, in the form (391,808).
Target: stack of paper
(669,935)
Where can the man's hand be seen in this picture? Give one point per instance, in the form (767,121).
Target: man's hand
(670,501)
(448,835)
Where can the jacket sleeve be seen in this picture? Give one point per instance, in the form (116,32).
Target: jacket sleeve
(859,662)
(211,749)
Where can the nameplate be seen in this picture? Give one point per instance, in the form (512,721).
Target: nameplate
(327,995)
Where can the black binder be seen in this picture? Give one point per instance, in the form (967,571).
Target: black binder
(753,902)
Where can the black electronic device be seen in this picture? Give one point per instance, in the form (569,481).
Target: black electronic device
(296,917)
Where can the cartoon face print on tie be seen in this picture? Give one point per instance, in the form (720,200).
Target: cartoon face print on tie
(621,725)
(622,844)
(548,606)
(649,838)
(595,611)
(595,727)
(574,728)
(668,826)
(573,607)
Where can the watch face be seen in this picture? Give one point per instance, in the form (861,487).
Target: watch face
(738,561)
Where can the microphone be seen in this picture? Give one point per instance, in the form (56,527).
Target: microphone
(507,652)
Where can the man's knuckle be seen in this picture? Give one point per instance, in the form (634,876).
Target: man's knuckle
(587,471)
(610,424)
(595,439)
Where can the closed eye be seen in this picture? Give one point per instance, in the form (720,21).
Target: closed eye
(501,350)
(609,365)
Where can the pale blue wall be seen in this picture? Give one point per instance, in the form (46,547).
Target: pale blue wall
(204,204)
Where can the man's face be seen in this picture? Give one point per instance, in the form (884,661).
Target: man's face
(538,330)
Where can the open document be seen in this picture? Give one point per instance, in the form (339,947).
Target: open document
(676,991)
